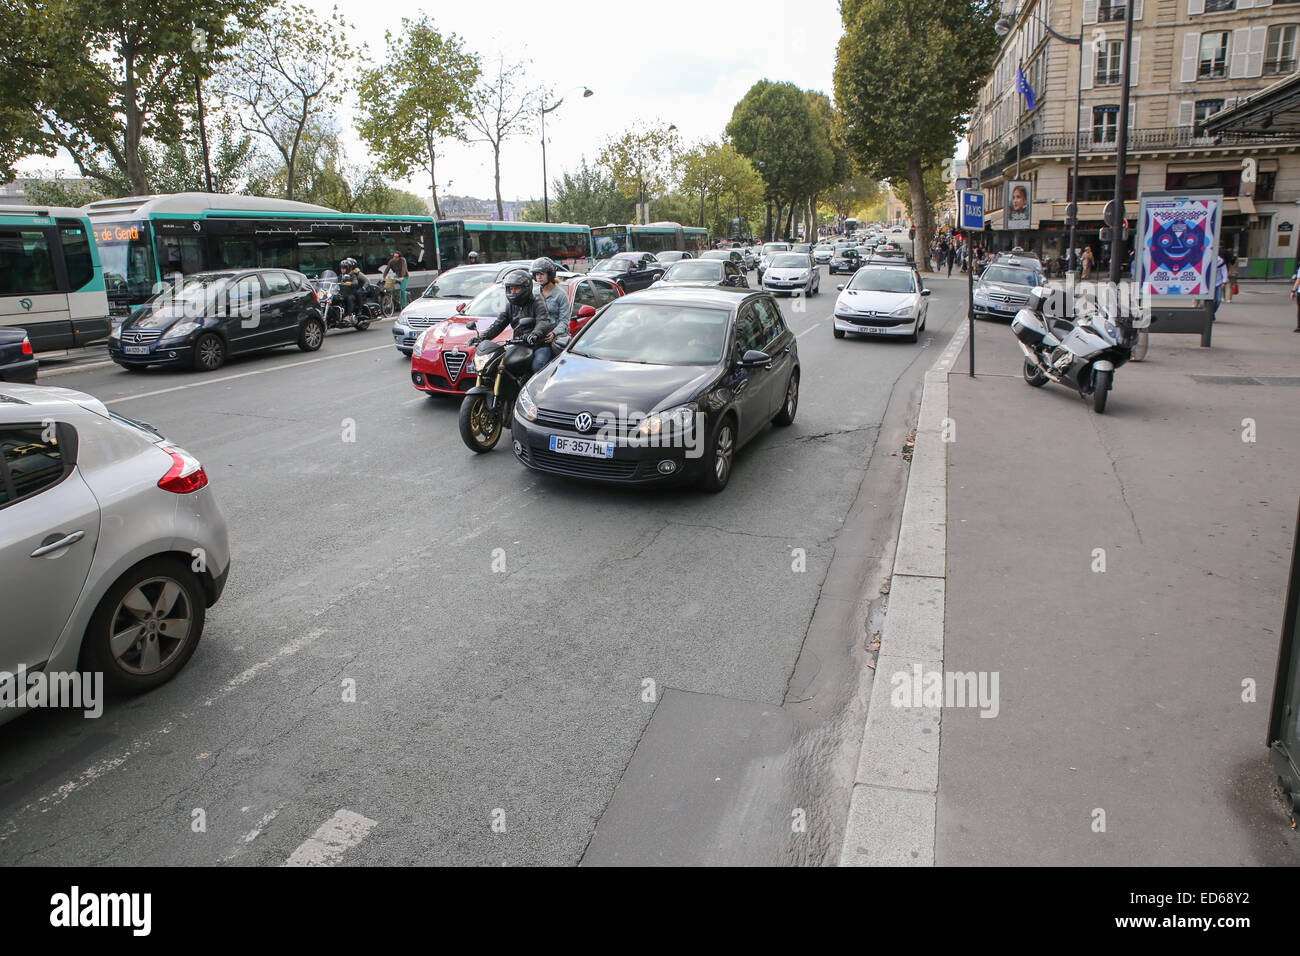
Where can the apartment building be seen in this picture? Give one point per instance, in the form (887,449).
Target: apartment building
(1190,59)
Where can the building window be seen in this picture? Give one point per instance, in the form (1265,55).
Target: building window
(1204,110)
(1101,188)
(1108,62)
(1110,10)
(1105,121)
(1228,180)
(1218,6)
(1280,55)
(1214,55)
(1265,183)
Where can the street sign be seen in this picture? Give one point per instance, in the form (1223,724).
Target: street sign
(972,210)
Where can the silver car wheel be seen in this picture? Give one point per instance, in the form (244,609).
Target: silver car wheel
(152,624)
(723,451)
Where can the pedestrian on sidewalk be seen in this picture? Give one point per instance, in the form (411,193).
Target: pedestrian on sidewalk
(1089,260)
(952,256)
(1295,294)
(1220,279)
(1230,288)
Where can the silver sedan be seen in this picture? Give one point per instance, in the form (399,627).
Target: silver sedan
(112,544)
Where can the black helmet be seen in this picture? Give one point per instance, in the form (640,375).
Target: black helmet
(545,266)
(519,287)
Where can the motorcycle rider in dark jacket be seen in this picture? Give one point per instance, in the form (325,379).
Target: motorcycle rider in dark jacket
(526,313)
(354,287)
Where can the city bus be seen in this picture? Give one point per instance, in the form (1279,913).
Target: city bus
(656,237)
(144,239)
(567,243)
(850,226)
(51,283)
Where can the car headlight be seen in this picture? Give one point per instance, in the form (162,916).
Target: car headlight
(904,312)
(115,330)
(674,421)
(180,330)
(526,406)
(418,349)
(481,359)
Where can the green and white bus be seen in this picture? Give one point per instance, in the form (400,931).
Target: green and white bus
(144,239)
(656,237)
(569,244)
(51,283)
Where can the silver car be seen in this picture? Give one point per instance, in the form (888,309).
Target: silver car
(112,545)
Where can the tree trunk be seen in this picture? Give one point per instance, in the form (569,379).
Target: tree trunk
(131,134)
(767,223)
(496,167)
(789,220)
(433,176)
(920,214)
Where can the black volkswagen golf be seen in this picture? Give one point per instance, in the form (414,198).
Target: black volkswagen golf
(661,386)
(200,320)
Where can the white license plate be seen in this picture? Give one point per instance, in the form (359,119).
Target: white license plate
(136,349)
(582,446)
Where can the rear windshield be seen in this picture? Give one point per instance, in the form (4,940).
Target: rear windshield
(791,260)
(695,269)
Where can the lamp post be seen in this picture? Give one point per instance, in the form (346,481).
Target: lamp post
(546,199)
(1118,214)
(1002,28)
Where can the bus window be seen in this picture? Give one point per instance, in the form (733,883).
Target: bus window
(76,254)
(26,266)
(182,254)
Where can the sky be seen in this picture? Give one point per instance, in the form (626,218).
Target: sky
(685,62)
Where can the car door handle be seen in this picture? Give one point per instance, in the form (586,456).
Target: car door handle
(59,545)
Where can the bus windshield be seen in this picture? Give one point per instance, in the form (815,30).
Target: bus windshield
(610,243)
(127,256)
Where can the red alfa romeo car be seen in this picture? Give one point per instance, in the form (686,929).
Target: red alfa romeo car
(443,361)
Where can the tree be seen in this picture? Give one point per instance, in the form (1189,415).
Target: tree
(421,95)
(503,107)
(589,195)
(57,191)
(776,128)
(103,81)
(839,167)
(727,184)
(640,160)
(286,77)
(901,121)
(855,195)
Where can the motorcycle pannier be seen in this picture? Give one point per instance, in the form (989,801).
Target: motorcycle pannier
(1029,327)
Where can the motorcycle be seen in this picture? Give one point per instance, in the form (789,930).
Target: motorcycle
(1082,354)
(330,293)
(503,369)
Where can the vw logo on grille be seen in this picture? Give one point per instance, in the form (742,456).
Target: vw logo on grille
(583,422)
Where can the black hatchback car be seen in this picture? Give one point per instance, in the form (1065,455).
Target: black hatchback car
(633,271)
(721,273)
(661,386)
(200,320)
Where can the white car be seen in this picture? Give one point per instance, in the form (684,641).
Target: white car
(443,298)
(822,253)
(792,272)
(112,545)
(882,301)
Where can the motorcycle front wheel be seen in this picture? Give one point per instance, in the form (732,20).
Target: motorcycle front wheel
(1034,375)
(480,426)
(1101,386)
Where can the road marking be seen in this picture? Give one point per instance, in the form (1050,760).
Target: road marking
(293,647)
(332,839)
(258,371)
(807,330)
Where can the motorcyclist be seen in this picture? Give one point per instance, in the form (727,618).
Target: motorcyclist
(526,313)
(354,285)
(557,303)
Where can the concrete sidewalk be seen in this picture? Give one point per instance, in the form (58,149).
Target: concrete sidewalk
(1120,692)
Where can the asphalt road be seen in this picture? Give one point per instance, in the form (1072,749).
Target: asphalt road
(497,712)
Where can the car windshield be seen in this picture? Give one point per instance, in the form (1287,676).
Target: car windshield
(823,248)
(656,334)
(888,279)
(613,265)
(460,284)
(716,254)
(772,247)
(791,260)
(670,256)
(1010,276)
(695,269)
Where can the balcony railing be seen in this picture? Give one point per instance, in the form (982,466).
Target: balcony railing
(1181,137)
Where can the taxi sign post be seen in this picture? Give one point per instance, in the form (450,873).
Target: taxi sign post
(972,221)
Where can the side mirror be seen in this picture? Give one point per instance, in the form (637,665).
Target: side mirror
(472,326)
(754,358)
(575,325)
(839,288)
(925,292)
(586,311)
(460,307)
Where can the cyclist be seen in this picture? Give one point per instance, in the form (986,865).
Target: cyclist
(397,269)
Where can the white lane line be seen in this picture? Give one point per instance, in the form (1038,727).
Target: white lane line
(332,839)
(810,328)
(239,680)
(258,371)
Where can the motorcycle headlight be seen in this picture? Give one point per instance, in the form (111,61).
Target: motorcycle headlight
(180,330)
(1111,330)
(903,312)
(674,421)
(526,406)
(481,359)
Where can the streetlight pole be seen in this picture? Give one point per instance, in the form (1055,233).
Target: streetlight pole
(1118,214)
(546,198)
(1002,28)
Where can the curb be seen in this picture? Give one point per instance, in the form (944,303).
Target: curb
(892,808)
(69,369)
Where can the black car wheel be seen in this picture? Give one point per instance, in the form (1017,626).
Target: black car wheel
(722,451)
(791,405)
(209,352)
(839,333)
(146,627)
(311,335)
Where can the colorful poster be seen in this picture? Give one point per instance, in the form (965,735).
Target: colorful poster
(1019,214)
(1179,243)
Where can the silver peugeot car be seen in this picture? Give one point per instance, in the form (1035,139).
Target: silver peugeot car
(112,544)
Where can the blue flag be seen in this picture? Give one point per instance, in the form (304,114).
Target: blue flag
(1022,86)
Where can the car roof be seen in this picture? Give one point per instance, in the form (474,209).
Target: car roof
(38,402)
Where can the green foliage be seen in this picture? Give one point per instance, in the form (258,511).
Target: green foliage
(777,127)
(503,106)
(588,195)
(57,191)
(726,181)
(640,160)
(286,76)
(421,95)
(105,80)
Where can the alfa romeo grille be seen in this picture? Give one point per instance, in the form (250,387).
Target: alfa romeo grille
(453,362)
